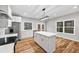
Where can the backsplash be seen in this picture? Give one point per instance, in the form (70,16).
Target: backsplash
(2,32)
(7,31)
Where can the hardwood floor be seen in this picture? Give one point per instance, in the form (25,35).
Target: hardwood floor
(62,46)
(28,46)
(66,46)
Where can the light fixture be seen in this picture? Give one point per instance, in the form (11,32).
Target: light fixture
(44,16)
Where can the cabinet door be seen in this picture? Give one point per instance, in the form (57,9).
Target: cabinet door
(36,36)
(9,23)
(2,41)
(52,44)
(44,43)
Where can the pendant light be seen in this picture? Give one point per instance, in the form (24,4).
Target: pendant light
(44,16)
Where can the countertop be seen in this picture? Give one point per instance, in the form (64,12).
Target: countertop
(8,35)
(48,34)
(12,34)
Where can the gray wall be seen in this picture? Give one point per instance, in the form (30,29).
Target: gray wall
(52,24)
(29,33)
(3,21)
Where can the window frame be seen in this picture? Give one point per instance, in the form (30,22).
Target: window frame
(29,24)
(72,26)
(59,27)
(64,27)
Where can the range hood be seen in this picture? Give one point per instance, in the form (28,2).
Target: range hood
(5,16)
(6,11)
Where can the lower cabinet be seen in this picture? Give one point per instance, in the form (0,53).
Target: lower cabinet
(11,39)
(2,41)
(7,43)
(7,40)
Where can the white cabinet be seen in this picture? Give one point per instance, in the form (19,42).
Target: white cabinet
(16,19)
(46,40)
(9,23)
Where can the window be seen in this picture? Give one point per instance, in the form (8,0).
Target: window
(27,26)
(59,26)
(39,27)
(69,26)
(42,27)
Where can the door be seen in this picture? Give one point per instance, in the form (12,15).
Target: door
(39,27)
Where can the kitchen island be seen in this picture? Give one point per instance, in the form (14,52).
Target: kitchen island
(46,40)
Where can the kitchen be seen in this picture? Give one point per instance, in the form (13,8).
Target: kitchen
(43,28)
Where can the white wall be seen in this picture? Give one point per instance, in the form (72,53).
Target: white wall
(29,33)
(51,26)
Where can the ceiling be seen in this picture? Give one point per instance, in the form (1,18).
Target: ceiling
(35,11)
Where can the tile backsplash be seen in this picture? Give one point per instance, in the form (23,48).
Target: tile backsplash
(2,32)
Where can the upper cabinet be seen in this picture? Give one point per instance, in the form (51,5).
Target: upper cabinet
(9,23)
(16,19)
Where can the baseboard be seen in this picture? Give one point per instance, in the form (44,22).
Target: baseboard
(67,38)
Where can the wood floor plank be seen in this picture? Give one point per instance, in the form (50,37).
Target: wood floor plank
(28,45)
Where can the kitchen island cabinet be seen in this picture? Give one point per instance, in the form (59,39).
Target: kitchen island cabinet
(46,40)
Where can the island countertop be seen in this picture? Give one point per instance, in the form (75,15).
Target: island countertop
(48,34)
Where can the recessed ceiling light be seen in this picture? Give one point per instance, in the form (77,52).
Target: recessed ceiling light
(24,13)
(55,14)
(75,7)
